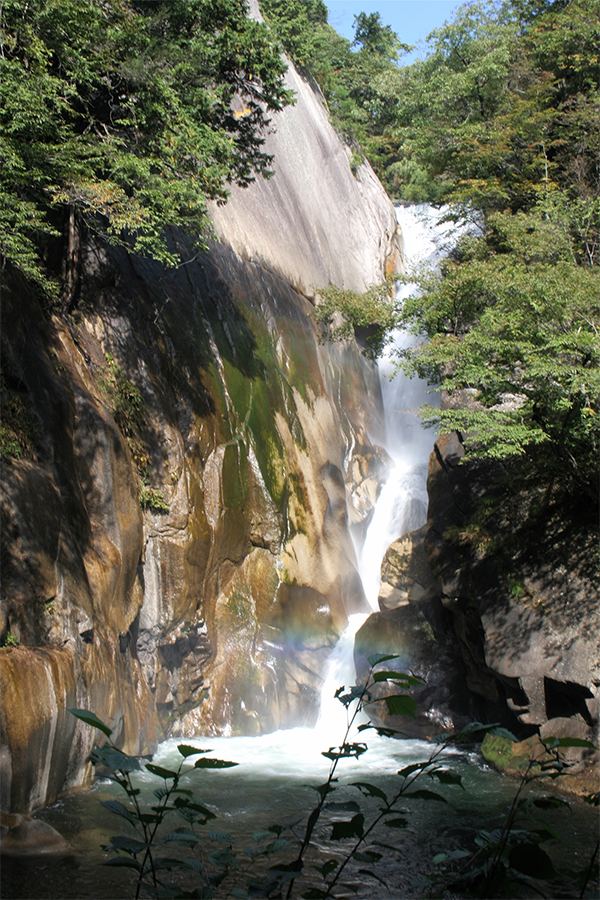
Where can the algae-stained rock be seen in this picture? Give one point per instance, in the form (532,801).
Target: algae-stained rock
(579,766)
(205,393)
(45,750)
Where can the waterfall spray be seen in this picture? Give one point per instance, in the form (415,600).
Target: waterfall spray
(402,502)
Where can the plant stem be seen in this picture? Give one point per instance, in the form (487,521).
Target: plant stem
(316,813)
(588,874)
(508,825)
(409,781)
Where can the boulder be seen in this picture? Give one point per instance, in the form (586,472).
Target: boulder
(413,625)
(518,581)
(24,836)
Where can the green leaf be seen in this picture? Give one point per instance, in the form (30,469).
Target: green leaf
(92,719)
(474,727)
(118,809)
(377,658)
(423,795)
(222,837)
(214,764)
(127,844)
(262,836)
(183,836)
(348,829)
(370,790)
(285,872)
(324,789)
(505,733)
(550,802)
(399,678)
(186,750)
(345,751)
(531,860)
(572,742)
(167,863)
(413,767)
(327,868)
(162,773)
(187,806)
(401,705)
(447,777)
(387,732)
(396,823)
(194,865)
(115,760)
(372,875)
(124,862)
(367,856)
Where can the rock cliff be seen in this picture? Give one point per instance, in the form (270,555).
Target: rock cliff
(204,391)
(494,603)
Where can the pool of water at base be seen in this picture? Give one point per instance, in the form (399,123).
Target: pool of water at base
(274,784)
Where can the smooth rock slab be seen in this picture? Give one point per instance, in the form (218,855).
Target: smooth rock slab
(24,836)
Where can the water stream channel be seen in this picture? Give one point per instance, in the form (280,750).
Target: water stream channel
(274,781)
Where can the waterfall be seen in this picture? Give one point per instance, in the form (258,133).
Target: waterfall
(402,502)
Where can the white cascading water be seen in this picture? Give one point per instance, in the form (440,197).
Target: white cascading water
(402,503)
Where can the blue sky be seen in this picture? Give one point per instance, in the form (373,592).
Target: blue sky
(412,20)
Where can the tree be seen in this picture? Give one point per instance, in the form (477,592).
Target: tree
(376,38)
(298,24)
(514,322)
(125,116)
(503,118)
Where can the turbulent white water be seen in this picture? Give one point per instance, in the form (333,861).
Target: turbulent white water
(402,502)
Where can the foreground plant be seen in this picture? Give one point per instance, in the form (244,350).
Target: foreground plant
(507,859)
(510,859)
(139,851)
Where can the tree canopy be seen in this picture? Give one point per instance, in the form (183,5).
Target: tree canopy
(127,115)
(508,121)
(501,120)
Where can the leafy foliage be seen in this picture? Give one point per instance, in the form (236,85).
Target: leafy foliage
(502,118)
(348,314)
(505,856)
(19,428)
(127,405)
(514,320)
(299,25)
(126,115)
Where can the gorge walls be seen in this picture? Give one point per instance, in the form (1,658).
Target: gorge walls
(211,605)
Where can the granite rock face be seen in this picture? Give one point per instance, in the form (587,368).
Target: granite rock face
(414,626)
(207,392)
(524,607)
(499,620)
(316,222)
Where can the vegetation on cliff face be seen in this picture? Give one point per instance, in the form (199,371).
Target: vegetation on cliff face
(125,116)
(501,118)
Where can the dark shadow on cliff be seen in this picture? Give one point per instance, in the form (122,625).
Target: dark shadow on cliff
(516,561)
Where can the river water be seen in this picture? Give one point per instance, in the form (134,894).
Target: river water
(274,783)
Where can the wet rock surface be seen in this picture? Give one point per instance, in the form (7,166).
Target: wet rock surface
(24,836)
(524,607)
(414,626)
(206,392)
